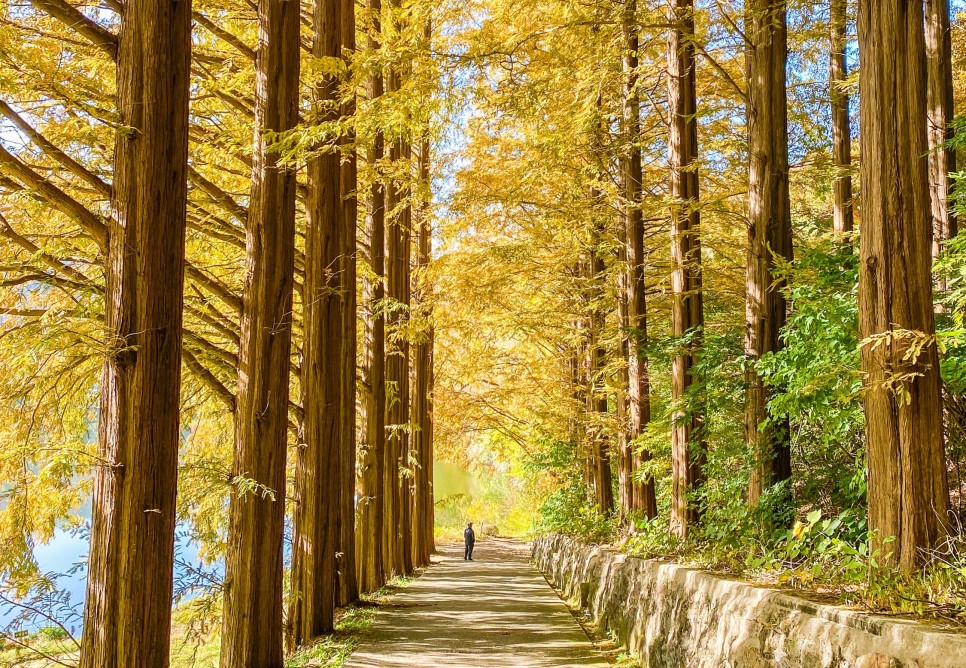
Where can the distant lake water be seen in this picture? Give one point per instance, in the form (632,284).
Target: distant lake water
(67,549)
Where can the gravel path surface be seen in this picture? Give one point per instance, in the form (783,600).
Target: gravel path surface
(494,611)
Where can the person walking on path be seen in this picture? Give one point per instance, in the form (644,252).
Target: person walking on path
(469,539)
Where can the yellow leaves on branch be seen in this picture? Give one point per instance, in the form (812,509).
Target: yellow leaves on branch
(899,352)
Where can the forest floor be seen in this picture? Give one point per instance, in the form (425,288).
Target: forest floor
(496,611)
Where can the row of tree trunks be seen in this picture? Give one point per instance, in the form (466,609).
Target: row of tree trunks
(131,571)
(319,460)
(687,309)
(842,218)
(252,627)
(373,534)
(127,616)
(908,494)
(638,495)
(396,511)
(769,235)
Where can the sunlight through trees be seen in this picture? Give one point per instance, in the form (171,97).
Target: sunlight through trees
(678,275)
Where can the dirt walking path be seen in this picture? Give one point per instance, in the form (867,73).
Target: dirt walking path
(496,610)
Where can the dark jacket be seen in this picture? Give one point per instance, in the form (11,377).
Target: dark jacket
(468,536)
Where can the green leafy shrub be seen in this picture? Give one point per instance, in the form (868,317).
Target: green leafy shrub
(568,511)
(815,381)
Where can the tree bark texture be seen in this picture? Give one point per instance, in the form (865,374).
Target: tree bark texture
(404,151)
(422,438)
(688,449)
(348,582)
(625,455)
(769,232)
(396,380)
(252,625)
(576,372)
(318,465)
(641,494)
(127,615)
(597,351)
(908,496)
(939,96)
(842,218)
(398,251)
(373,455)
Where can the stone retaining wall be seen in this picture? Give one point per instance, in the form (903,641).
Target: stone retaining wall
(674,617)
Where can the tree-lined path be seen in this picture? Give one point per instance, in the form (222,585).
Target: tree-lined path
(289,289)
(497,611)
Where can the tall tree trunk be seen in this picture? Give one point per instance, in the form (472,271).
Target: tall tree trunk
(348,583)
(842,219)
(398,251)
(405,395)
(127,616)
(372,504)
(687,308)
(908,497)
(587,435)
(576,373)
(318,464)
(625,454)
(597,395)
(769,235)
(642,496)
(252,626)
(939,109)
(428,428)
(423,539)
(396,378)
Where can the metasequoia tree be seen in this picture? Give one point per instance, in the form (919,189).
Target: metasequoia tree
(348,582)
(908,496)
(576,372)
(842,218)
(318,467)
(252,627)
(373,456)
(939,111)
(687,310)
(636,495)
(398,251)
(600,469)
(127,615)
(769,233)
(625,453)
(422,439)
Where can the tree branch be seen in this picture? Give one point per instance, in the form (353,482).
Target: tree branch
(208,378)
(52,262)
(218,196)
(71,16)
(53,151)
(214,286)
(60,200)
(224,35)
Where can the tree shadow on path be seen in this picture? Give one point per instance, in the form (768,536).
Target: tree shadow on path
(497,610)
